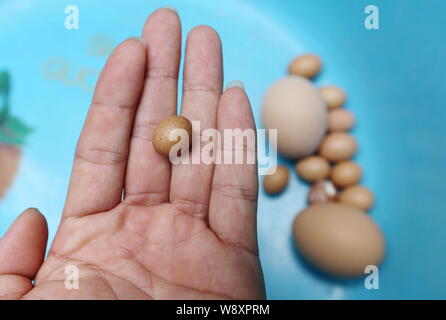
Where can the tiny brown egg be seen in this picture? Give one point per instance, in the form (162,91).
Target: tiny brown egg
(313,168)
(338,239)
(333,96)
(161,136)
(338,146)
(322,192)
(345,174)
(307,65)
(357,196)
(276,182)
(340,120)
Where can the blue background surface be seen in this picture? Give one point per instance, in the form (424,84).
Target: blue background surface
(394,77)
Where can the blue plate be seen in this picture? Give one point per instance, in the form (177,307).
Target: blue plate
(394,77)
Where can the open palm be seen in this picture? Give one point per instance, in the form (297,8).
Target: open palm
(134,226)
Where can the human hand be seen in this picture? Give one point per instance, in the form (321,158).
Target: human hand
(176,232)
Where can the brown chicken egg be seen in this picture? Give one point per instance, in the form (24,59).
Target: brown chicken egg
(338,146)
(276,182)
(307,65)
(357,196)
(313,168)
(340,120)
(345,173)
(338,239)
(333,96)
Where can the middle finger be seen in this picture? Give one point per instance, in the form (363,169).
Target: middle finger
(202,85)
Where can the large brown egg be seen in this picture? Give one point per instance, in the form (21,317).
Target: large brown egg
(294,106)
(338,239)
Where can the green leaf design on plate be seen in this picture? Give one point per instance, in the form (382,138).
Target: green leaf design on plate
(4,96)
(4,112)
(4,82)
(12,130)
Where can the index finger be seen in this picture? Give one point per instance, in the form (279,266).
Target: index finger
(101,156)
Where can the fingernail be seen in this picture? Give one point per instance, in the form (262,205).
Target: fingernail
(170,8)
(141,40)
(32,210)
(235,84)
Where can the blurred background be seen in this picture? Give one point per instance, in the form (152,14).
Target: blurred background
(394,78)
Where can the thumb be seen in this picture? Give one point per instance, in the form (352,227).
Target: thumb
(22,251)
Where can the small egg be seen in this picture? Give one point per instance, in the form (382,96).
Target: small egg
(338,239)
(161,142)
(340,120)
(313,168)
(276,182)
(338,146)
(333,96)
(345,174)
(357,196)
(321,192)
(307,65)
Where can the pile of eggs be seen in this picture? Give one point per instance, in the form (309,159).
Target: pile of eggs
(334,233)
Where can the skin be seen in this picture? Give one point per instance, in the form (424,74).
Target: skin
(160,238)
